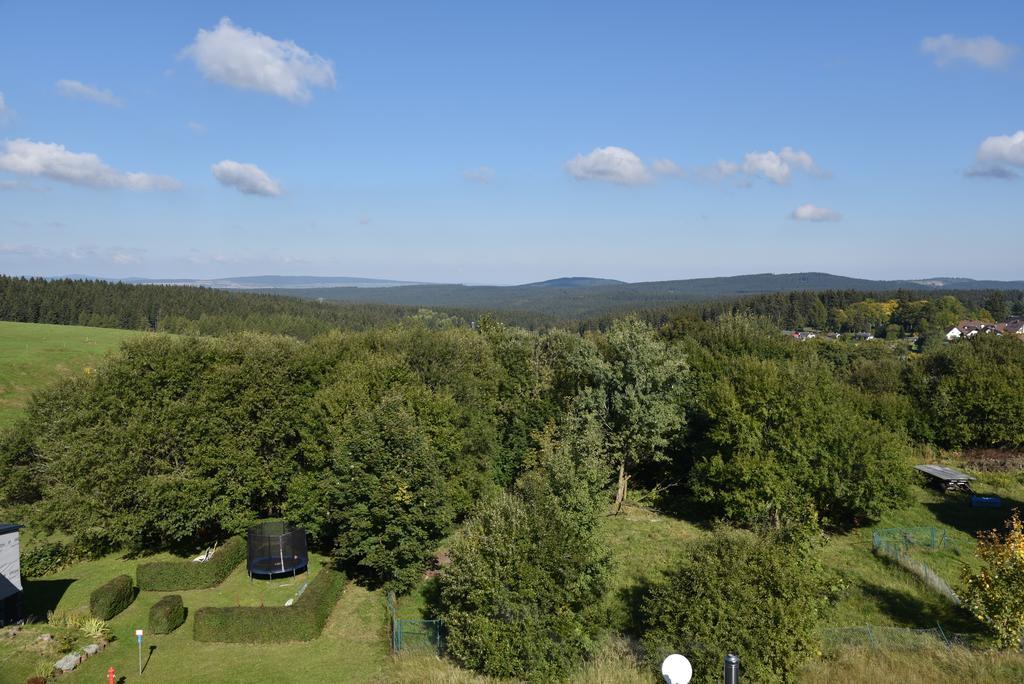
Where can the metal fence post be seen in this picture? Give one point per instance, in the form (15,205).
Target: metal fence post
(731,671)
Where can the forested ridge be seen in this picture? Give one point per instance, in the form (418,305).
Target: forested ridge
(179,309)
(583,298)
(200,310)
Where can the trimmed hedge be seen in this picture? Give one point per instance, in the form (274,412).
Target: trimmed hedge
(301,621)
(110,599)
(166,615)
(181,575)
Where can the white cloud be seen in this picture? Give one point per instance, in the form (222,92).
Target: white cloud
(247,178)
(242,58)
(666,167)
(77,89)
(778,166)
(984,51)
(995,154)
(809,212)
(196,127)
(5,111)
(611,164)
(1003,149)
(56,162)
(720,170)
(483,175)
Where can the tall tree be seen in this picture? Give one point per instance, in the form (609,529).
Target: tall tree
(642,394)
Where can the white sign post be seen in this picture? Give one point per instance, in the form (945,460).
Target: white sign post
(138,637)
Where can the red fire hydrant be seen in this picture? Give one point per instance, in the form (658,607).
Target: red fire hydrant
(110,676)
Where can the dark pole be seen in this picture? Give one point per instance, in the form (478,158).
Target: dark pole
(731,674)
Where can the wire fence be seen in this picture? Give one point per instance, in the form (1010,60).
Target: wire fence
(408,634)
(909,537)
(889,638)
(896,544)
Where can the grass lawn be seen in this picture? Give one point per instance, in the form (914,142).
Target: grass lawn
(879,592)
(351,649)
(33,355)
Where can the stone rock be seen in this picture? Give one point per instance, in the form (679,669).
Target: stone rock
(45,637)
(68,662)
(91,649)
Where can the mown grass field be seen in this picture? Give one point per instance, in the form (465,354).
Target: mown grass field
(33,355)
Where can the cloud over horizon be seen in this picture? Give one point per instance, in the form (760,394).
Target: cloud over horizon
(610,164)
(983,51)
(56,162)
(245,59)
(809,212)
(246,178)
(78,90)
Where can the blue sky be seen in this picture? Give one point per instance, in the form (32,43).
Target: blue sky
(502,143)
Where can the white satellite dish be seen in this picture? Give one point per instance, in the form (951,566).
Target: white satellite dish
(676,669)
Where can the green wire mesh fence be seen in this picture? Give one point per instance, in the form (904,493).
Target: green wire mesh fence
(409,634)
(896,544)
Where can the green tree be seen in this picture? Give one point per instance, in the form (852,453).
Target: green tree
(523,594)
(383,481)
(995,593)
(777,439)
(761,597)
(642,395)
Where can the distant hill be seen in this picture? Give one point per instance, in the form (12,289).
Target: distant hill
(587,297)
(264,282)
(575,281)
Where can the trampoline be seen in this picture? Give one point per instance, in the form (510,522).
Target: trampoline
(276,548)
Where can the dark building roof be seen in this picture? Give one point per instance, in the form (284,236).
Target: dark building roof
(9,527)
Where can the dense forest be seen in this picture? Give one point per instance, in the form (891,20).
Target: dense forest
(583,298)
(205,311)
(179,309)
(383,442)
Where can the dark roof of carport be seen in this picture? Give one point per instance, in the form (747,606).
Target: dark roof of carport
(945,474)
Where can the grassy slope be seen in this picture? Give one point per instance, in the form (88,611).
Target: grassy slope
(33,355)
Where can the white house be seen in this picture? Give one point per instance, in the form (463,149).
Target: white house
(10,574)
(954,333)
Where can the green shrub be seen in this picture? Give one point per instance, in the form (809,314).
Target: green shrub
(181,575)
(301,621)
(49,557)
(760,597)
(523,594)
(110,599)
(166,615)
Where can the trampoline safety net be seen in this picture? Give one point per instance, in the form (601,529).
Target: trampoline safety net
(275,548)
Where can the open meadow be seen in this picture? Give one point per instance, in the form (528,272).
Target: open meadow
(33,355)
